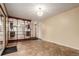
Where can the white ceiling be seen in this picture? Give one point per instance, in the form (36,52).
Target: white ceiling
(27,10)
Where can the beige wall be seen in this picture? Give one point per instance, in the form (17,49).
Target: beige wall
(62,29)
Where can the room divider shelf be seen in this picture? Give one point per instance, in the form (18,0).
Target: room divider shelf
(21,29)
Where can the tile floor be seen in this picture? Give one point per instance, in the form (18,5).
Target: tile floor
(41,48)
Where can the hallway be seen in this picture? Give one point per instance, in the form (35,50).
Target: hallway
(41,48)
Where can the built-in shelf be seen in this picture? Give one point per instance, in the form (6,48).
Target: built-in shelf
(21,29)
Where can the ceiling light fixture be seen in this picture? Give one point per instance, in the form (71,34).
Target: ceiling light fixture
(39,10)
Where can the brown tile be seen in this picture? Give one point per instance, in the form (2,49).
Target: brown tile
(41,48)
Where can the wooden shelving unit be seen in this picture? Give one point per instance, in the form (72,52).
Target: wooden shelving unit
(19,29)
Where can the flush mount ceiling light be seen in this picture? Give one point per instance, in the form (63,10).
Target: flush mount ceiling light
(40,10)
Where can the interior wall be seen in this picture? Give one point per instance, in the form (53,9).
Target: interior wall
(35,28)
(62,29)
